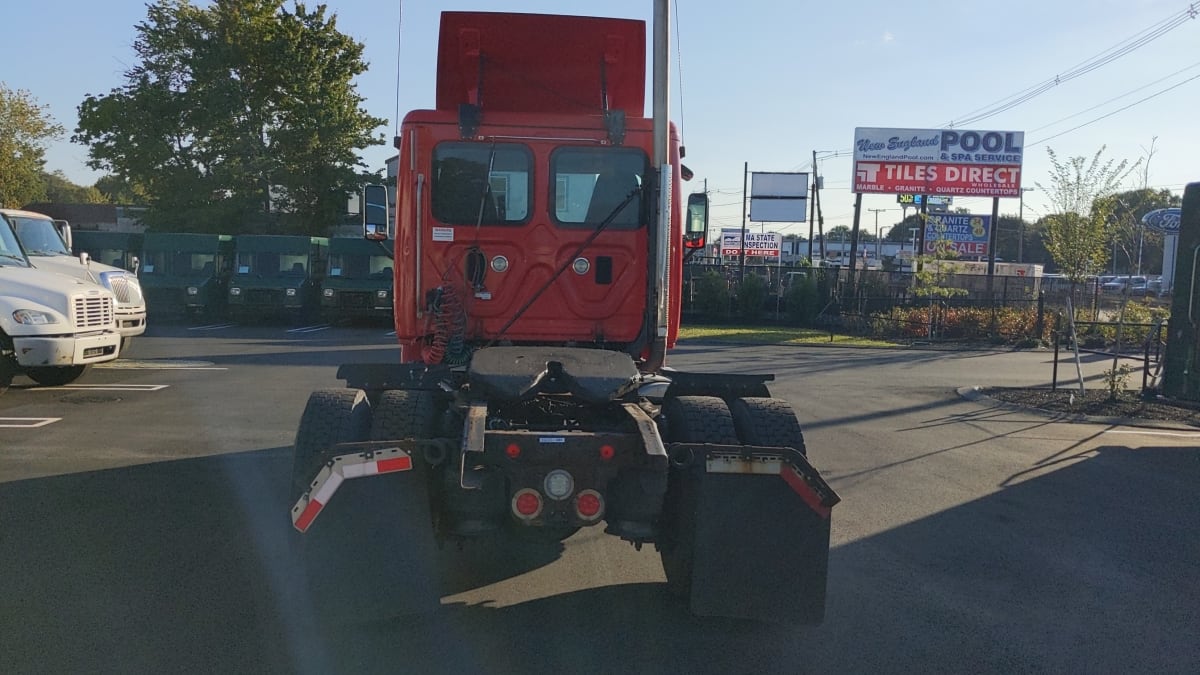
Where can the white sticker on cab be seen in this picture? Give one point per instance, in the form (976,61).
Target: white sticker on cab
(443,234)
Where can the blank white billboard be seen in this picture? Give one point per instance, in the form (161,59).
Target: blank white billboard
(778,197)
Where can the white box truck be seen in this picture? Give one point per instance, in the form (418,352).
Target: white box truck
(52,327)
(48,243)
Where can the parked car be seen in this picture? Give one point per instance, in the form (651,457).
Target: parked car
(1136,284)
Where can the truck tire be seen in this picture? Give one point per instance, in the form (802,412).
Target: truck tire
(54,376)
(370,555)
(331,416)
(8,368)
(689,419)
(403,413)
(767,422)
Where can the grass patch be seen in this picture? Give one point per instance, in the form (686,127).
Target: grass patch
(772,335)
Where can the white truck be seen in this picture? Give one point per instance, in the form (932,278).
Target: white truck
(52,327)
(49,247)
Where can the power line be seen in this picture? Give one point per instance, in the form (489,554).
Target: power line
(1127,46)
(1115,98)
(1114,112)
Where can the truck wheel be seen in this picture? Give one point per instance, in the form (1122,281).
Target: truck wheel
(690,419)
(403,413)
(331,416)
(767,422)
(54,376)
(370,555)
(8,368)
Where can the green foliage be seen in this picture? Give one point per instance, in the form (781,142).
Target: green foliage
(802,300)
(60,189)
(1116,380)
(751,295)
(119,191)
(933,270)
(240,115)
(712,295)
(25,128)
(1015,326)
(1077,235)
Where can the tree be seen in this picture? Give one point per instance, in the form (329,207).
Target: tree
(1137,245)
(60,189)
(239,116)
(1078,232)
(119,191)
(25,128)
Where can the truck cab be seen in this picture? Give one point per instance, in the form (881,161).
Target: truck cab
(358,280)
(48,245)
(52,326)
(277,275)
(117,249)
(185,274)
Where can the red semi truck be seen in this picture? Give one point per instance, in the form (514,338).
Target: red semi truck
(538,246)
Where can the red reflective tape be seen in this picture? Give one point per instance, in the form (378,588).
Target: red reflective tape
(310,513)
(401,463)
(792,477)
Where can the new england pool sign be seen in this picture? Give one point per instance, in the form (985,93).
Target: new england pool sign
(964,233)
(938,161)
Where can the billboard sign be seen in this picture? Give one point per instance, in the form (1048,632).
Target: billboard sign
(762,244)
(778,197)
(966,234)
(938,161)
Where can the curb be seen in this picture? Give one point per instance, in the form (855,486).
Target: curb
(975,393)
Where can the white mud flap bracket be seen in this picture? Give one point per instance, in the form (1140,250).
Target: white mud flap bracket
(343,468)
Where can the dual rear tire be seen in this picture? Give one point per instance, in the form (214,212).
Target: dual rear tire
(708,419)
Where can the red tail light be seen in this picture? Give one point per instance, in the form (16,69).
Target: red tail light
(607,452)
(527,504)
(589,505)
(513,451)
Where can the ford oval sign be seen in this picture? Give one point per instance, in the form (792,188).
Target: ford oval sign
(1163,220)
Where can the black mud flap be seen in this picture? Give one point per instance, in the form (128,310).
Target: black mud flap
(759,532)
(371,554)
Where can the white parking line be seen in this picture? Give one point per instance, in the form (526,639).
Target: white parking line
(158,364)
(28,422)
(308,329)
(1148,432)
(215,326)
(106,387)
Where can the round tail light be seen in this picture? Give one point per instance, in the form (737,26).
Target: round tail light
(589,505)
(527,504)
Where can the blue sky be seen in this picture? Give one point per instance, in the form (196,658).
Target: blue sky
(757,81)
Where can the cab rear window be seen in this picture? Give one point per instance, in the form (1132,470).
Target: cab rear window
(489,184)
(591,184)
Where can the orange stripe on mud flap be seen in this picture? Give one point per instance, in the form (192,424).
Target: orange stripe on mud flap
(401,463)
(802,488)
(310,513)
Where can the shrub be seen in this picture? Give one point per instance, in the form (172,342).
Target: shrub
(802,301)
(712,295)
(751,295)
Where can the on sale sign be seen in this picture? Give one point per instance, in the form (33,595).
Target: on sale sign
(964,233)
(938,161)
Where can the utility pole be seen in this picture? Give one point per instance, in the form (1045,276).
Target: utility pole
(1021,226)
(742,244)
(812,208)
(877,241)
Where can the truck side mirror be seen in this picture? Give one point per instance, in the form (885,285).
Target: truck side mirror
(64,231)
(695,226)
(375,213)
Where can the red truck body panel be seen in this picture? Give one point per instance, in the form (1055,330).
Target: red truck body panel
(533,222)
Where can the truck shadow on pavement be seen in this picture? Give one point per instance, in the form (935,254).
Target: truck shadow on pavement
(1080,563)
